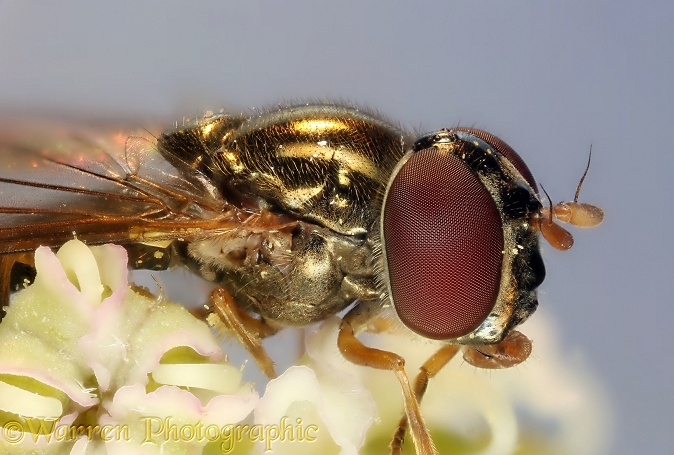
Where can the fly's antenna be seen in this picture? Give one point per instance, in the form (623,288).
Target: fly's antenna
(582,179)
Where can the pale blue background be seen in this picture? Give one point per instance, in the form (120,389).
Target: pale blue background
(550,77)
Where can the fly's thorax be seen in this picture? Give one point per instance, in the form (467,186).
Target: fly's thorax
(325,164)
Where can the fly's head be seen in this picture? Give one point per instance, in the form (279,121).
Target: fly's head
(460,224)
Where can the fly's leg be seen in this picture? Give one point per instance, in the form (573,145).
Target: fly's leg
(355,351)
(429,369)
(514,349)
(227,317)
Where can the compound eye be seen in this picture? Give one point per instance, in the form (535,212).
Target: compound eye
(505,150)
(443,239)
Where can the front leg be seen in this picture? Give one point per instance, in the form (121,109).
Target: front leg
(514,349)
(355,351)
(428,370)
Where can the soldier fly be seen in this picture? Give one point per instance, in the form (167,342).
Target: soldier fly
(300,213)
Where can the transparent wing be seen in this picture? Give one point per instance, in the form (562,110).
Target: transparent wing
(100,185)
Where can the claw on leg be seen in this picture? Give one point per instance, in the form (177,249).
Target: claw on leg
(229,318)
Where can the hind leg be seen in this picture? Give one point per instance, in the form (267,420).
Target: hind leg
(227,317)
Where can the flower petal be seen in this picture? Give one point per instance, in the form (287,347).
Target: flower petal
(24,403)
(170,417)
(42,327)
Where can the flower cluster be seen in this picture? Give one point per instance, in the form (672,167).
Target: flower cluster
(88,363)
(91,365)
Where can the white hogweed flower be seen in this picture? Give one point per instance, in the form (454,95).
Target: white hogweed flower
(90,365)
(82,350)
(320,405)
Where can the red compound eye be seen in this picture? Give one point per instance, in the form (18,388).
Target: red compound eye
(505,150)
(443,239)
